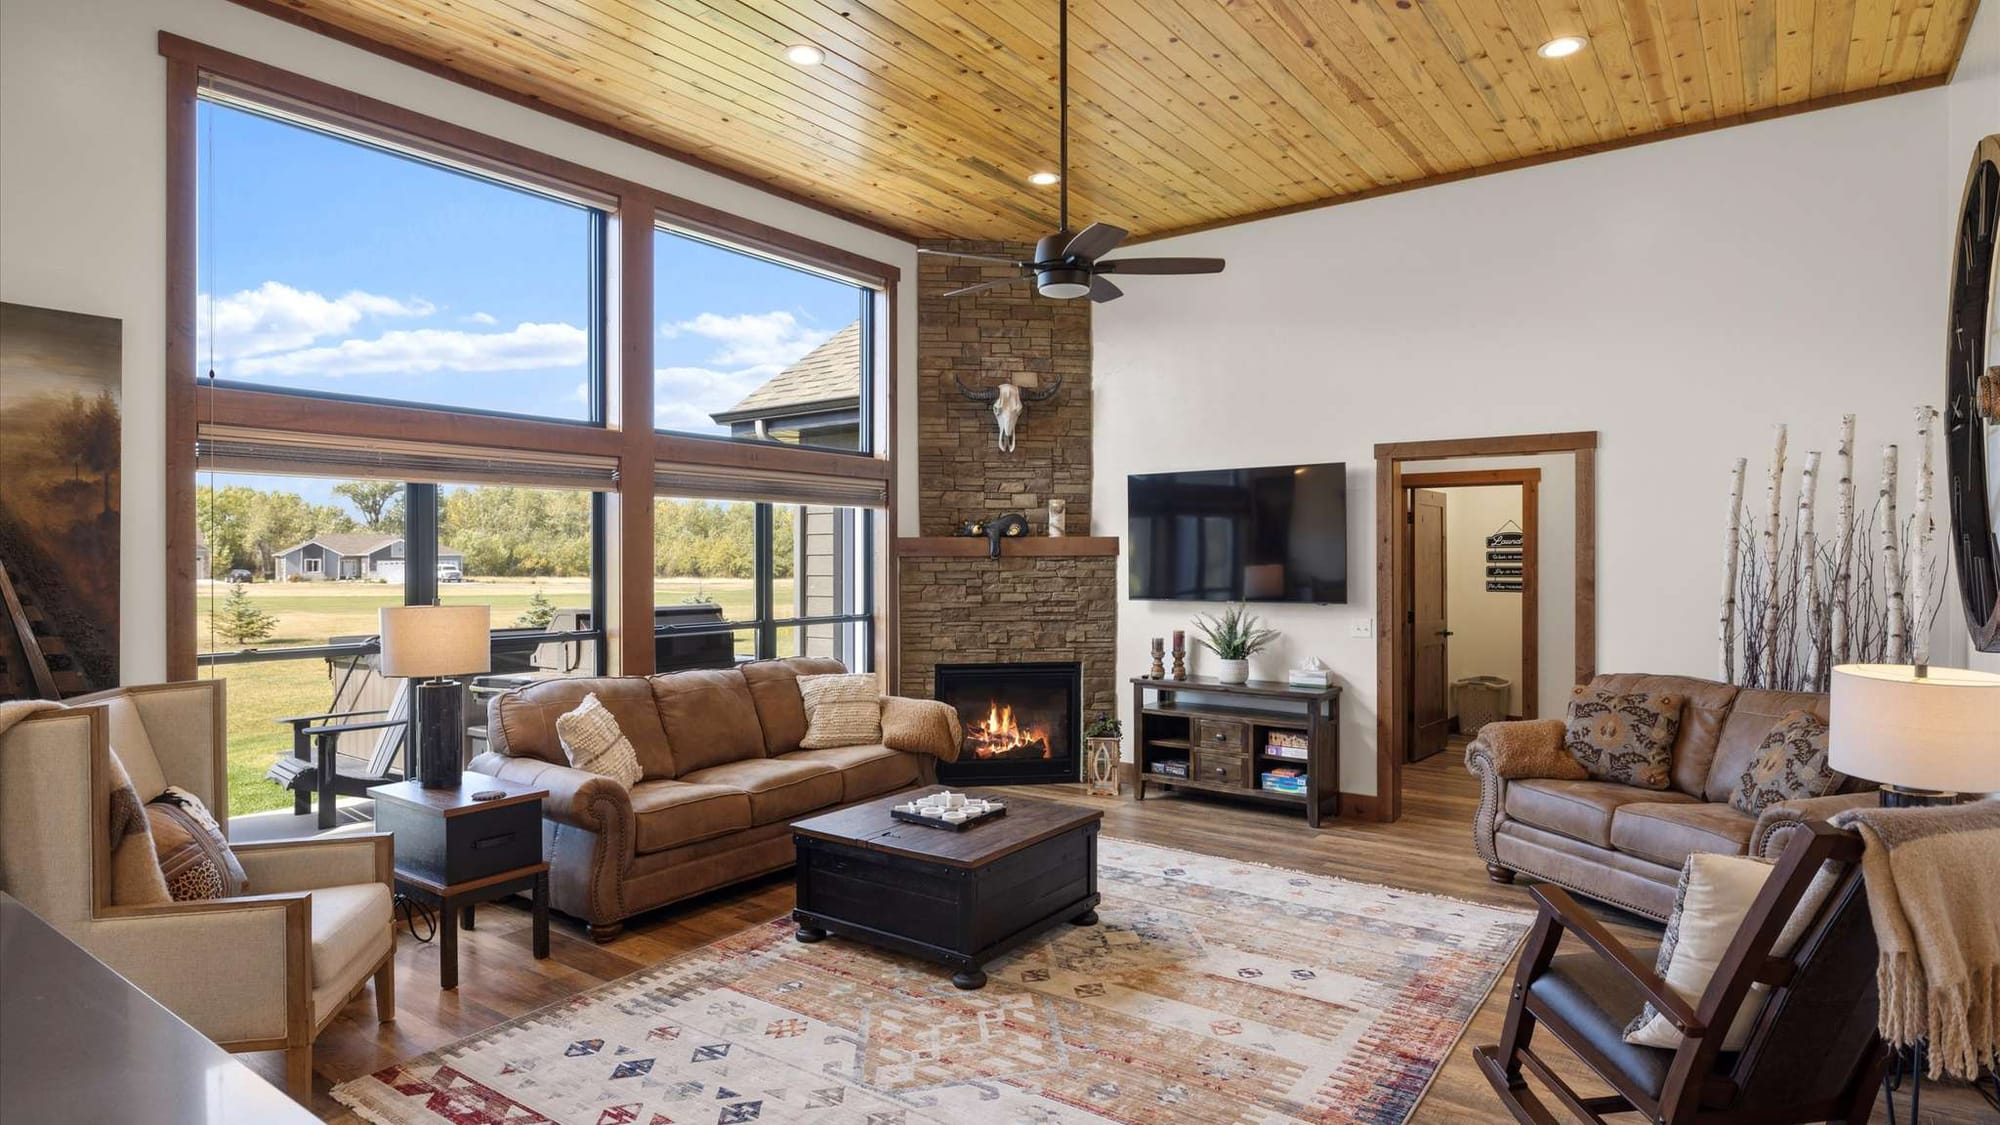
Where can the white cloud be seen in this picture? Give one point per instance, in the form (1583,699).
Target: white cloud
(275,317)
(483,319)
(684,397)
(523,347)
(752,339)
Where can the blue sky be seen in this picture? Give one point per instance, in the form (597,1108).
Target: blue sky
(328,266)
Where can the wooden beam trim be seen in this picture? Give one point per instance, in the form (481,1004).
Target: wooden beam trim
(1508,445)
(438,70)
(181,283)
(628,642)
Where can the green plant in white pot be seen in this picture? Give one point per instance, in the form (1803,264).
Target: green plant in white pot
(1234,636)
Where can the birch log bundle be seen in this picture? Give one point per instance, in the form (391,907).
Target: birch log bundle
(1774,490)
(1732,551)
(1806,597)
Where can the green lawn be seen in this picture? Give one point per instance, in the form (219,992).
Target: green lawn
(309,613)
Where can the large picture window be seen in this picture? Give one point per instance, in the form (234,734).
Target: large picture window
(332,267)
(756,350)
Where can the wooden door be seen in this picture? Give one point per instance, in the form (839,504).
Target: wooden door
(1430,711)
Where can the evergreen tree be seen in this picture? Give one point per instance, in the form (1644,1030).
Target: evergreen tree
(540,614)
(243,622)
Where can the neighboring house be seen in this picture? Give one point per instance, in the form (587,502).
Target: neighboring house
(352,555)
(201,556)
(816,401)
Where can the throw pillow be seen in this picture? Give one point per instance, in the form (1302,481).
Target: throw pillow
(1530,748)
(136,879)
(841,710)
(593,743)
(1789,766)
(1715,893)
(1626,738)
(194,857)
(922,726)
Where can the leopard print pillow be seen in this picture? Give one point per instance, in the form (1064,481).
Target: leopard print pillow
(1624,737)
(1789,766)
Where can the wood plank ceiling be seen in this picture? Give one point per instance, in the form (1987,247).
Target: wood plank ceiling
(927,116)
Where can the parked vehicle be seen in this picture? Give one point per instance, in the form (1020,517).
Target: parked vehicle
(449,573)
(239,575)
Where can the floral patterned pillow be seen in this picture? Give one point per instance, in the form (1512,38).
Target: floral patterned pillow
(1624,737)
(1789,766)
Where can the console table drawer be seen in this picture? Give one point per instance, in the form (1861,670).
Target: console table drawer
(1221,767)
(1210,734)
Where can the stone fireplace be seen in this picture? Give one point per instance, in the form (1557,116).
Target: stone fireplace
(1023,721)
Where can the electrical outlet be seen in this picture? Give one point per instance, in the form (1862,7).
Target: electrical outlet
(1361,627)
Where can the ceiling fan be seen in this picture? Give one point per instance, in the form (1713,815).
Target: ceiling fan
(1066,264)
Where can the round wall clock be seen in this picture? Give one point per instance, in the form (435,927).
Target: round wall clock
(1972,395)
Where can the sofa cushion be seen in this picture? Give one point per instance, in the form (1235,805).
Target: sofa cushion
(1625,737)
(710,718)
(1750,722)
(1670,831)
(345,920)
(774,688)
(667,814)
(591,738)
(195,859)
(1790,766)
(865,771)
(842,709)
(779,790)
(1702,716)
(521,723)
(1581,810)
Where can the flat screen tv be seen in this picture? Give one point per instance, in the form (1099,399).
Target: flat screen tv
(1275,534)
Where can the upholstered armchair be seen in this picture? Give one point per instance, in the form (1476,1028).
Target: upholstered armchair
(263,971)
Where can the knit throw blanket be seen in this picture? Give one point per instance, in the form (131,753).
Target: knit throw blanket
(1929,873)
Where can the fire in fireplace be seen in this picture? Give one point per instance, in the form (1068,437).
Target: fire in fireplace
(1022,721)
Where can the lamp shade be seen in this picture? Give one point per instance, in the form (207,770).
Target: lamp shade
(420,641)
(1939,732)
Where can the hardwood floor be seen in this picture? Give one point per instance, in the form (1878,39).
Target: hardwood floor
(1430,849)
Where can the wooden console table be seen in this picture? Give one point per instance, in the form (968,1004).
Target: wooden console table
(1224,746)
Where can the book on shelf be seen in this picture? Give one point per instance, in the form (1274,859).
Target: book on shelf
(1172,767)
(1284,744)
(1284,780)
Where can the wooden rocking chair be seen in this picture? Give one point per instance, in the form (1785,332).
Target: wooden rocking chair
(1814,1054)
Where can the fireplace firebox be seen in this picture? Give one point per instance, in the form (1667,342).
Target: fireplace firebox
(1022,721)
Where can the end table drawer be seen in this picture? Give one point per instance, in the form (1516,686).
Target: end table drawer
(1209,734)
(1218,768)
(470,845)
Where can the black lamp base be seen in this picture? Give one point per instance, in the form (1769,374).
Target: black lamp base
(438,721)
(1900,797)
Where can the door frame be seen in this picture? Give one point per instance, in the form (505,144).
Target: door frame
(1392,562)
(1529,481)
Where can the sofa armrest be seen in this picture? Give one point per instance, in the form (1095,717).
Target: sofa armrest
(578,798)
(922,726)
(1492,796)
(1777,823)
(238,969)
(279,866)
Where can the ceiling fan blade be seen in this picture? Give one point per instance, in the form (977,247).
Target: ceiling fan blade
(1160,265)
(1095,239)
(1101,290)
(971,257)
(984,285)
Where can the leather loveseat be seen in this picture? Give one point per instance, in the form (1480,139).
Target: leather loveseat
(1625,845)
(724,778)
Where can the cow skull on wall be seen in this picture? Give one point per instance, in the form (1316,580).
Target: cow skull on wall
(1008,401)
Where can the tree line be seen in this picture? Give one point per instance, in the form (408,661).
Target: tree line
(502,531)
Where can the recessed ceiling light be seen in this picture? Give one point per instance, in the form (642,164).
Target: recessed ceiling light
(1044,179)
(1561,47)
(805,54)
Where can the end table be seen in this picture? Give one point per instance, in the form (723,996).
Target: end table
(453,852)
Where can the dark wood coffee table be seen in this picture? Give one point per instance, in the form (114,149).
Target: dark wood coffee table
(960,898)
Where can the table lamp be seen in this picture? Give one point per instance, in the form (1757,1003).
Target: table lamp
(428,645)
(1928,735)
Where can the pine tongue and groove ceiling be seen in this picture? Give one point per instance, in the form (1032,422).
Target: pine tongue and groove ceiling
(927,116)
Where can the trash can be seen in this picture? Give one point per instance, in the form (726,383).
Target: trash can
(1480,700)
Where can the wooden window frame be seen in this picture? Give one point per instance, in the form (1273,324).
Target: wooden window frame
(1392,597)
(626,432)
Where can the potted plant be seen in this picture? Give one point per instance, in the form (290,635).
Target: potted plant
(1105,737)
(1235,636)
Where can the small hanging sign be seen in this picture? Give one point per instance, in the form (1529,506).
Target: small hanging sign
(1506,551)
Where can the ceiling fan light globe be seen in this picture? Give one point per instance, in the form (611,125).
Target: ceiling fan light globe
(1063,285)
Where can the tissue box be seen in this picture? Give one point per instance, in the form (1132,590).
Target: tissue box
(1311,677)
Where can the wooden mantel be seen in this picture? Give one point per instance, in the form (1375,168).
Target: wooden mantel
(1025,546)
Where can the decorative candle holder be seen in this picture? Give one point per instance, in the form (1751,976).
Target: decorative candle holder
(1159,668)
(1180,655)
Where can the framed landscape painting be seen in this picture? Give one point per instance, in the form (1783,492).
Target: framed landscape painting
(59,458)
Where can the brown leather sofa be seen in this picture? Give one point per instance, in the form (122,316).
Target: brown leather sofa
(724,779)
(1626,846)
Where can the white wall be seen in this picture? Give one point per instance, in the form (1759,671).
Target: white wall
(83,202)
(1485,624)
(1680,298)
(1973,101)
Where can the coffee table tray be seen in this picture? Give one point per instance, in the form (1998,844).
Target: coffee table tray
(951,826)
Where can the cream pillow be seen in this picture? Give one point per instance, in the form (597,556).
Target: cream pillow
(592,742)
(1715,893)
(841,710)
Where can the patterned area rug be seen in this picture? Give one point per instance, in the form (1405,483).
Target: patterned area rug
(1211,991)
